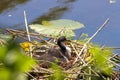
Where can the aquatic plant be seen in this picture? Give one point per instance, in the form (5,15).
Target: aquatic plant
(57,28)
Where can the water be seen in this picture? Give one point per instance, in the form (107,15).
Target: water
(92,13)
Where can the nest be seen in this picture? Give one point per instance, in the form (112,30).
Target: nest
(73,70)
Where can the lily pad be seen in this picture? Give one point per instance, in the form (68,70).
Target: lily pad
(60,27)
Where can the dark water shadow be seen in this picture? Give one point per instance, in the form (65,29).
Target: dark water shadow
(55,12)
(66,1)
(9,4)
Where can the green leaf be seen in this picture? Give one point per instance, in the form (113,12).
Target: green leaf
(58,74)
(14,63)
(100,60)
(60,27)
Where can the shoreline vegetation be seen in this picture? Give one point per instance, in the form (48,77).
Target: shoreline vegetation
(89,61)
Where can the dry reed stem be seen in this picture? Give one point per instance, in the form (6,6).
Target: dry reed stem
(77,53)
(27,30)
(31,76)
(33,35)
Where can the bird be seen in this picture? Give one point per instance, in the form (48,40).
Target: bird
(63,53)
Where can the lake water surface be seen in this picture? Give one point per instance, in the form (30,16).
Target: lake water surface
(92,13)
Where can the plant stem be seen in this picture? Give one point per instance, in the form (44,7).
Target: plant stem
(27,30)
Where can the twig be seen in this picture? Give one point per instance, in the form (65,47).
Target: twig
(31,76)
(101,27)
(77,53)
(85,45)
(113,62)
(80,73)
(24,32)
(27,30)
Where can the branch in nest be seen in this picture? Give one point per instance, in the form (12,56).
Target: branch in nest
(85,45)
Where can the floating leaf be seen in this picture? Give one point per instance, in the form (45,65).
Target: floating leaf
(46,23)
(57,27)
